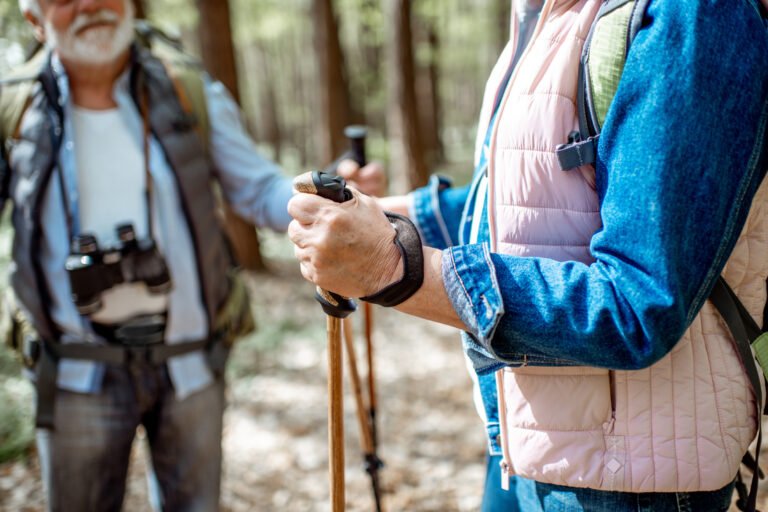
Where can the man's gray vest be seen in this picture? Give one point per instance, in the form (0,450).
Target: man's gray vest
(30,157)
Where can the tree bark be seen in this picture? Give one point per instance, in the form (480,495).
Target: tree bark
(428,94)
(217,51)
(503,16)
(139,10)
(332,84)
(405,138)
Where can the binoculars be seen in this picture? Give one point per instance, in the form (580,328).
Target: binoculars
(92,270)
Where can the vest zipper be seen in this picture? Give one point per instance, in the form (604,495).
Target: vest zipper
(506,459)
(612,386)
(507,470)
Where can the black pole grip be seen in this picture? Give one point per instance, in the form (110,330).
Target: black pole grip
(334,188)
(356,135)
(331,187)
(334,304)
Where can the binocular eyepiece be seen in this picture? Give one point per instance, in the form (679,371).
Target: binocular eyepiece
(93,270)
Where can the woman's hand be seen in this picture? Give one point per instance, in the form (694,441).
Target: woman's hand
(347,248)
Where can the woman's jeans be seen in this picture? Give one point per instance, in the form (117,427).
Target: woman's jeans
(530,496)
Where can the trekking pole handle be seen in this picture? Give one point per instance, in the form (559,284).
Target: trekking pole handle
(334,188)
(356,135)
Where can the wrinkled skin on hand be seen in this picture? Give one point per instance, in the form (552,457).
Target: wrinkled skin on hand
(347,248)
(369,179)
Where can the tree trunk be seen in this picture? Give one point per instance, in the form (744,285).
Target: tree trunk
(405,141)
(428,94)
(266,115)
(218,55)
(332,84)
(140,12)
(503,16)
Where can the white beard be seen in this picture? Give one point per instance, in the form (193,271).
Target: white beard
(95,46)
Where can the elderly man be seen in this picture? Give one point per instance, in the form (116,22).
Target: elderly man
(125,300)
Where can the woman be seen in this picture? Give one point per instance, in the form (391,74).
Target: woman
(619,385)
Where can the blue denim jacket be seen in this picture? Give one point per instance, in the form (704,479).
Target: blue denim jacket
(681,154)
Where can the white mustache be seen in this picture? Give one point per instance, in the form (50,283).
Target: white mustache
(83,20)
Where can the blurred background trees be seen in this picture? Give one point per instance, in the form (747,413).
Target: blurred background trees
(413,71)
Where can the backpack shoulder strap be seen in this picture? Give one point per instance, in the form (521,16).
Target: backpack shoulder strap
(746,337)
(602,63)
(189,84)
(185,71)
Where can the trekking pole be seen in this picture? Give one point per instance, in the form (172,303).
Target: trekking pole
(370,460)
(336,307)
(372,405)
(356,135)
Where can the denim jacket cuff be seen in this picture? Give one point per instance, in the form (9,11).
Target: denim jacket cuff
(470,281)
(424,211)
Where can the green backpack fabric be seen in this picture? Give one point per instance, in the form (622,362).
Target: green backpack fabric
(602,63)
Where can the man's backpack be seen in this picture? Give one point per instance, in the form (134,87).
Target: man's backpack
(234,318)
(602,62)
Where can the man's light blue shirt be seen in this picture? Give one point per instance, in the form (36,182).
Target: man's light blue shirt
(253,186)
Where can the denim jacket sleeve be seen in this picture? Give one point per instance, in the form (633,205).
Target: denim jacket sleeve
(680,157)
(436,210)
(254,186)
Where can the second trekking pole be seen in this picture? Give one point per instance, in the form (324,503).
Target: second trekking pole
(356,136)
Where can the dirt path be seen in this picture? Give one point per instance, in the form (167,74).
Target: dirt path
(275,444)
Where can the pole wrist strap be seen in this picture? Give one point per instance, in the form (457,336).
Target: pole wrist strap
(408,242)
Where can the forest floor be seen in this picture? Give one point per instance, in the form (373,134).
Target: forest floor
(275,427)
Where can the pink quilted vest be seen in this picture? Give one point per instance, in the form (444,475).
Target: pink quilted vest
(684,423)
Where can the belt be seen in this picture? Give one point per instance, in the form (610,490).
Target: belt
(141,330)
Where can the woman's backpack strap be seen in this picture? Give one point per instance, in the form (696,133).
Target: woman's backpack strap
(602,63)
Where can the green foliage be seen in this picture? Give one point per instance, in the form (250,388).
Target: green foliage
(15,35)
(175,16)
(16,416)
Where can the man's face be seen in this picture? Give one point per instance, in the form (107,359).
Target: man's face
(88,31)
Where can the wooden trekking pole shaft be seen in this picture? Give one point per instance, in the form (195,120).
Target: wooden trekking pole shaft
(335,413)
(336,307)
(366,439)
(356,135)
(368,319)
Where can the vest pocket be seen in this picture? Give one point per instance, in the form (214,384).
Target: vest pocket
(574,398)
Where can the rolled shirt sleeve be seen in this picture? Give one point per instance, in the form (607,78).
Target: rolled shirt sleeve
(680,158)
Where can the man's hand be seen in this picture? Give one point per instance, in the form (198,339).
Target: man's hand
(369,179)
(347,248)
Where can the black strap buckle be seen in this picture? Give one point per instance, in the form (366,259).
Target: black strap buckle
(577,151)
(144,330)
